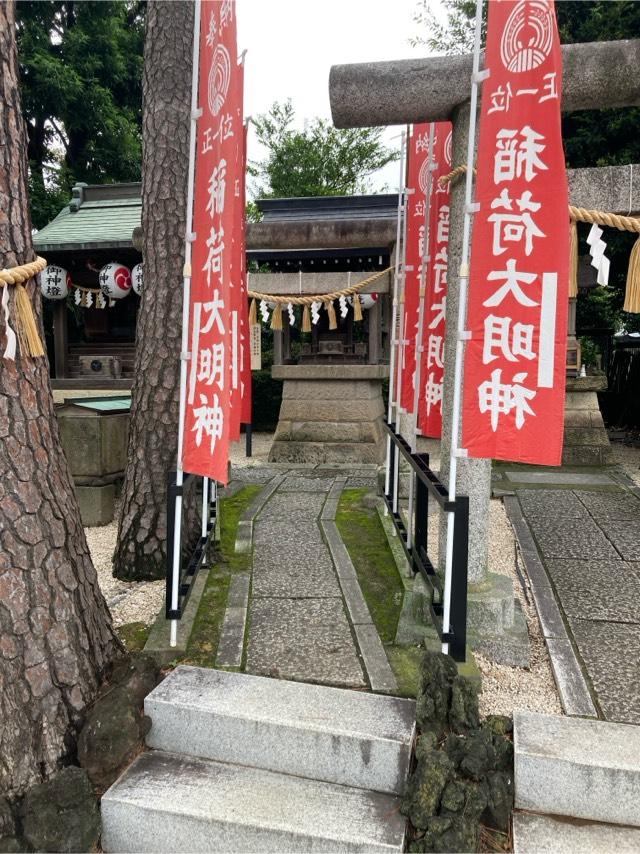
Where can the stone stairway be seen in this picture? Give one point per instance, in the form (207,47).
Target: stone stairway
(577,785)
(247,763)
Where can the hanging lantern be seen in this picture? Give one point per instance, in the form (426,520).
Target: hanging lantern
(54,282)
(115,280)
(136,279)
(368,300)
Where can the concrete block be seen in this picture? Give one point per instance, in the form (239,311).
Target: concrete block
(158,643)
(95,445)
(331,390)
(511,646)
(345,737)
(577,767)
(545,834)
(96,504)
(169,803)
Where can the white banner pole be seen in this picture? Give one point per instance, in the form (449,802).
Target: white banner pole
(186,296)
(394,311)
(422,295)
(463,288)
(402,278)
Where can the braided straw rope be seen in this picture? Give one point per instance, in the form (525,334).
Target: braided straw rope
(308,300)
(18,275)
(26,326)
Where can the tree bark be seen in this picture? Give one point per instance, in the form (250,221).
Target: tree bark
(56,635)
(142,533)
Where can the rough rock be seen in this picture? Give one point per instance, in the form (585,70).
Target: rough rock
(463,711)
(479,755)
(61,814)
(500,801)
(463,797)
(504,754)
(449,833)
(437,676)
(138,673)
(426,786)
(499,724)
(7,821)
(111,736)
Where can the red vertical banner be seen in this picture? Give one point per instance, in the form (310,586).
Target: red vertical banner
(433,330)
(417,179)
(245,332)
(215,212)
(514,371)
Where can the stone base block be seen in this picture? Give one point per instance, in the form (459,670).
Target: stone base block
(490,605)
(585,439)
(510,646)
(327,452)
(96,504)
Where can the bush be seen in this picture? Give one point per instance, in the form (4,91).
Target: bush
(267,396)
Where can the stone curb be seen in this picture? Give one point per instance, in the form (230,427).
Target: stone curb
(244,532)
(572,686)
(157,644)
(231,644)
(378,670)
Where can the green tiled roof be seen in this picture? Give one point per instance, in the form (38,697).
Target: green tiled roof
(98,217)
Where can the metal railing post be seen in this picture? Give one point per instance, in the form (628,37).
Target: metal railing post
(460,563)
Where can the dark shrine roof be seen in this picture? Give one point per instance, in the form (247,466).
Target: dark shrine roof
(329,207)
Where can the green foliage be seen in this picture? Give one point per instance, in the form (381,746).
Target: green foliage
(267,397)
(81,80)
(318,161)
(203,642)
(589,352)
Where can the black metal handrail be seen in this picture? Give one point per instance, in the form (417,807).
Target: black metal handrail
(427,484)
(189,564)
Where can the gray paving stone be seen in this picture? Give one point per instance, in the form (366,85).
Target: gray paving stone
(300,483)
(303,639)
(611,653)
(611,505)
(625,536)
(567,538)
(294,576)
(559,478)
(293,506)
(551,503)
(598,590)
(281,531)
(253,474)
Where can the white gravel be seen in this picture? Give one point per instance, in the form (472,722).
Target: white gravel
(128,601)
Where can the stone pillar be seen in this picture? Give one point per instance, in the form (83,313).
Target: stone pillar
(495,626)
(277,346)
(474,476)
(375,333)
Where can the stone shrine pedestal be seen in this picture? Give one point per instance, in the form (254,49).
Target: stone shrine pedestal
(586,442)
(330,414)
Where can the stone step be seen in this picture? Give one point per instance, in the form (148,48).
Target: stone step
(575,767)
(347,737)
(166,802)
(545,834)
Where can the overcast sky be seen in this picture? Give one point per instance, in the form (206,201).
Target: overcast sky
(292,44)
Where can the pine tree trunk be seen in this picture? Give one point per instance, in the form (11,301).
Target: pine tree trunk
(153,436)
(55,629)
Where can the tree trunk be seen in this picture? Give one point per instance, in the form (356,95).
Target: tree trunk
(55,629)
(153,436)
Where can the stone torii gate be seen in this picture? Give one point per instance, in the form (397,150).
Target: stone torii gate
(595,75)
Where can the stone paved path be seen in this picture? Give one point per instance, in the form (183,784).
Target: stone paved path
(300,617)
(588,540)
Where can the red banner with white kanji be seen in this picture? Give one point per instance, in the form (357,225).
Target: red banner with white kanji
(433,329)
(417,179)
(215,215)
(514,372)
